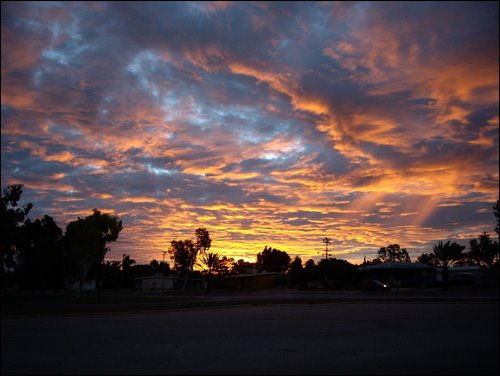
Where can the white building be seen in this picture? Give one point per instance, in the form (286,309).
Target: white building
(471,274)
(154,282)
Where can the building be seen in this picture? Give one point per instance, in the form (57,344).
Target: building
(75,285)
(469,275)
(154,282)
(256,281)
(404,274)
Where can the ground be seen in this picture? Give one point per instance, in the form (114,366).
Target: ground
(370,334)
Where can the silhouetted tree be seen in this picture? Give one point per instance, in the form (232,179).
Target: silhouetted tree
(86,240)
(81,245)
(154,265)
(164,268)
(241,266)
(40,254)
(496,210)
(112,274)
(427,258)
(295,265)
(311,271)
(159,267)
(225,267)
(272,260)
(445,255)
(296,271)
(127,262)
(183,253)
(12,218)
(483,251)
(127,278)
(374,261)
(213,263)
(340,272)
(203,241)
(393,253)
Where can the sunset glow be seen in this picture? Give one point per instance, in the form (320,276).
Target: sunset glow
(273,124)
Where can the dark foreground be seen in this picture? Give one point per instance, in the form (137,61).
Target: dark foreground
(330,338)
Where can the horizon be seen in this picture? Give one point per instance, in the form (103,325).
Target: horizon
(269,124)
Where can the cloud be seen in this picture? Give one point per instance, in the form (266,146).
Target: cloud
(268,123)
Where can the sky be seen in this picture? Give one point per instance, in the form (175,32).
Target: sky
(267,123)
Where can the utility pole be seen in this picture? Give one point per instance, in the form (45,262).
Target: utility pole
(164,252)
(325,268)
(163,272)
(326,241)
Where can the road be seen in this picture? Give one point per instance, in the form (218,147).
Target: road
(339,338)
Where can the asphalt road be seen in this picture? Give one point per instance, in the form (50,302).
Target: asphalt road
(343,338)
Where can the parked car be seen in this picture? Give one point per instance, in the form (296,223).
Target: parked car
(461,279)
(376,285)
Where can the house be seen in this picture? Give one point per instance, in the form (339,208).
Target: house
(465,275)
(254,281)
(192,283)
(472,272)
(75,285)
(405,274)
(154,282)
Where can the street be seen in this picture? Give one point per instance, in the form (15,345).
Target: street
(335,338)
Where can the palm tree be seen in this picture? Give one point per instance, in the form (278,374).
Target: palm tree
(127,262)
(446,255)
(213,263)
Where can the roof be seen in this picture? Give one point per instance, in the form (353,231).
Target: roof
(465,268)
(396,265)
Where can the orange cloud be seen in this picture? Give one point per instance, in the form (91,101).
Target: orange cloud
(138,199)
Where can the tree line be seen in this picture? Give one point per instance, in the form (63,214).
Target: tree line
(38,255)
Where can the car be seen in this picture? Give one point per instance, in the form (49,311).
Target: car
(376,285)
(462,279)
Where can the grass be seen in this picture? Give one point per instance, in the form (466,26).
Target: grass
(24,303)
